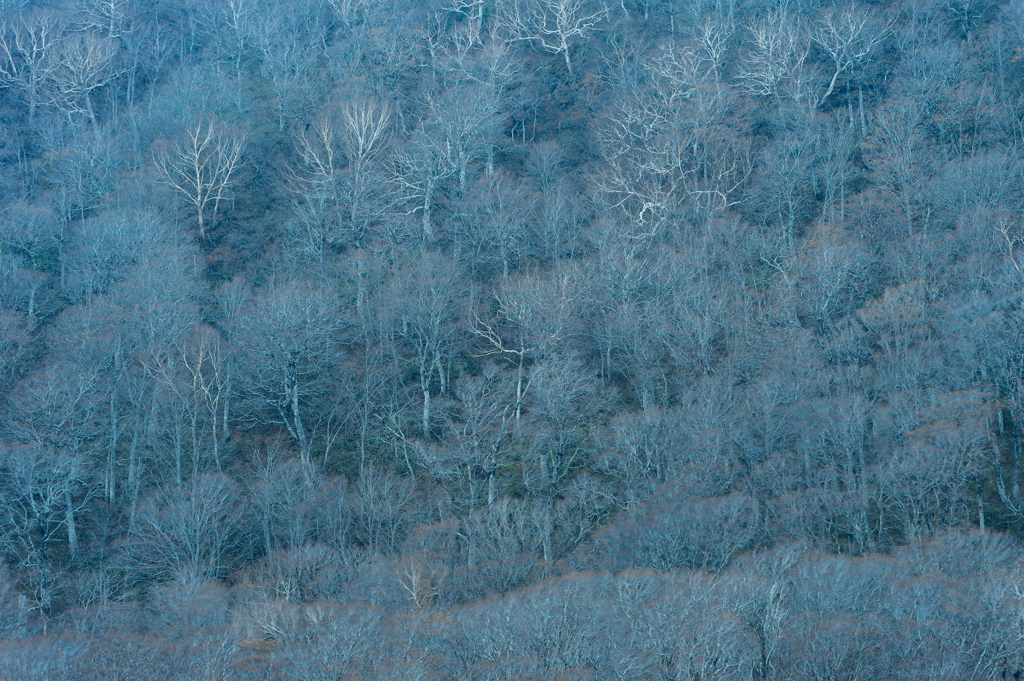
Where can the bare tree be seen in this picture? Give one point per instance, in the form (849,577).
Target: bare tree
(782,196)
(775,58)
(565,398)
(137,263)
(966,14)
(553,25)
(15,346)
(490,67)
(291,42)
(834,271)
(206,363)
(423,308)
(203,167)
(83,172)
(535,317)
(37,505)
(349,11)
(557,222)
(421,170)
(232,299)
(157,45)
(494,225)
(336,185)
(283,497)
(906,166)
(674,138)
(239,18)
(391,49)
(287,339)
(848,37)
(776,62)
(28,55)
(383,508)
(184,533)
(54,408)
(195,373)
(480,428)
(108,17)
(469,116)
(84,63)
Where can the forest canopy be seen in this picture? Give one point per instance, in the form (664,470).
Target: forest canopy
(511,339)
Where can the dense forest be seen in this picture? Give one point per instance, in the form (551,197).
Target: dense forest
(511,339)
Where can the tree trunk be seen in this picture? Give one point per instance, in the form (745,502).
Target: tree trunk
(442,375)
(300,432)
(88,108)
(426,410)
(548,530)
(362,440)
(227,402)
(32,98)
(69,522)
(863,120)
(135,464)
(428,201)
(981,507)
(109,482)
(519,389)
(1016,463)
(178,435)
(216,449)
